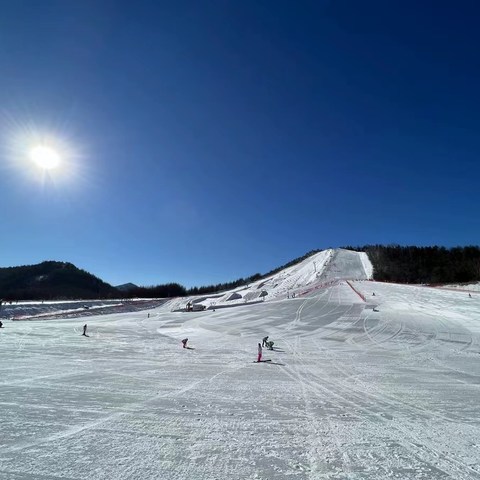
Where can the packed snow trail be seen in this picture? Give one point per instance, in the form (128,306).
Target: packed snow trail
(351,393)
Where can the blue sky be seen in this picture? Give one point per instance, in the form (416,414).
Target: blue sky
(206,141)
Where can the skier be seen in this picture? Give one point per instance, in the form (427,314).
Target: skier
(85,330)
(259,358)
(264,341)
(184,342)
(1,324)
(470,295)
(270,345)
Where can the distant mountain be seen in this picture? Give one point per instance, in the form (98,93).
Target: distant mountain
(51,280)
(126,287)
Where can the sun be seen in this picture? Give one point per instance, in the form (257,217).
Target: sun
(49,158)
(45,157)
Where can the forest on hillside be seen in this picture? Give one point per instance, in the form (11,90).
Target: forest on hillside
(427,265)
(51,280)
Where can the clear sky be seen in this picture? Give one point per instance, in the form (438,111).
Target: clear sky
(203,141)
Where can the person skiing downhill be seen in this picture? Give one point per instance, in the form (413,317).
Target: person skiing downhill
(85,330)
(184,342)
(259,358)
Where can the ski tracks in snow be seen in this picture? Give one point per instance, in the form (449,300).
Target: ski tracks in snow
(126,410)
(392,417)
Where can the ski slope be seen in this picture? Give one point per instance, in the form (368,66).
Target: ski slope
(360,386)
(314,272)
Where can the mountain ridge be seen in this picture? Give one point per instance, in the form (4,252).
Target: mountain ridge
(50,280)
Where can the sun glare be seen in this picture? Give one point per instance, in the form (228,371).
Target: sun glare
(45,157)
(48,158)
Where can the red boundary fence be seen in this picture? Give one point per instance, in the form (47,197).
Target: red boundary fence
(357,292)
(318,287)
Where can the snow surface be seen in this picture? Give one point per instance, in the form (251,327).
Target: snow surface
(375,389)
(469,287)
(72,308)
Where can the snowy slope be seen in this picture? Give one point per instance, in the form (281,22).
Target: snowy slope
(469,287)
(382,388)
(314,272)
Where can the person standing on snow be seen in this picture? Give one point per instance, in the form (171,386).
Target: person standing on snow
(264,341)
(85,330)
(184,342)
(259,358)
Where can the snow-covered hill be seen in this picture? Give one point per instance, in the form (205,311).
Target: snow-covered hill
(315,272)
(366,380)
